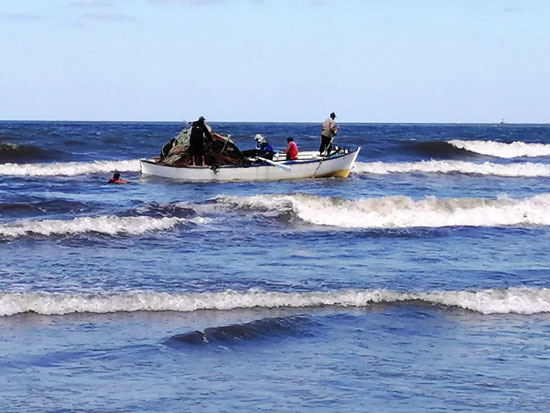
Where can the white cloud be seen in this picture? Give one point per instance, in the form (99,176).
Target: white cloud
(22,16)
(188,2)
(92,3)
(112,17)
(512,9)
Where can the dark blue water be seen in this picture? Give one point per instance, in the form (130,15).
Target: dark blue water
(419,283)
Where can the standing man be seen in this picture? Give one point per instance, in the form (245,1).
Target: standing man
(327,135)
(199,132)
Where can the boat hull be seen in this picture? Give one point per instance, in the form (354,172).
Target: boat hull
(337,165)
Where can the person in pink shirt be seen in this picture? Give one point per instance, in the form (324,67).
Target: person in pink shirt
(291,150)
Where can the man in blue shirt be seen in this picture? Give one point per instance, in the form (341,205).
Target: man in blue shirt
(263,147)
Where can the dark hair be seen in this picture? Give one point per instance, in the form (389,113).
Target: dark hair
(116,175)
(289,139)
(332,115)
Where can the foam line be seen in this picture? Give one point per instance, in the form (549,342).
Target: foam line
(400,211)
(491,301)
(502,149)
(69,168)
(109,225)
(515,170)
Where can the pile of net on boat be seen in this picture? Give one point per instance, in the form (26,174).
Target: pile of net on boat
(220,151)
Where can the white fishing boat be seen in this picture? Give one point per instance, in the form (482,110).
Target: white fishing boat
(309,165)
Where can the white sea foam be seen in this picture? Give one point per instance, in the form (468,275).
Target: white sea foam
(109,225)
(523,169)
(68,168)
(402,211)
(519,170)
(502,149)
(492,301)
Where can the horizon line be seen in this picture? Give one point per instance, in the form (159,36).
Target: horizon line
(265,121)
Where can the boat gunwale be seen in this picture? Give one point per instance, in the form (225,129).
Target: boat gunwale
(253,165)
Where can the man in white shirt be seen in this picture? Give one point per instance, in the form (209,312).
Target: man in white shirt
(327,135)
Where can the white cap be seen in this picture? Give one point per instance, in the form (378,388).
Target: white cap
(258,138)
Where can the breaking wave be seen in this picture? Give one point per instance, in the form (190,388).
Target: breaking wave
(400,211)
(69,168)
(516,170)
(109,225)
(502,149)
(516,300)
(523,169)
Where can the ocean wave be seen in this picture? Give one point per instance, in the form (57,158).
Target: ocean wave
(181,209)
(69,168)
(437,149)
(43,207)
(12,151)
(502,149)
(515,300)
(265,327)
(399,211)
(515,170)
(109,225)
(522,169)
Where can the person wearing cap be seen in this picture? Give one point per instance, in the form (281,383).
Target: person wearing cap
(328,132)
(199,133)
(263,147)
(291,150)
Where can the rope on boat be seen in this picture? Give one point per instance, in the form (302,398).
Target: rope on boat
(318,166)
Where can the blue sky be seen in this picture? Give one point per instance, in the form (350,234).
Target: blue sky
(275,60)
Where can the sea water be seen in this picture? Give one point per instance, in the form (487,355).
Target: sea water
(421,282)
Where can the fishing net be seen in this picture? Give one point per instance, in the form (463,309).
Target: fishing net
(220,151)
